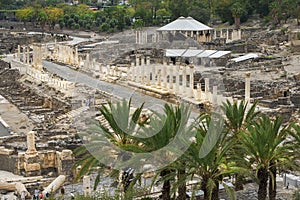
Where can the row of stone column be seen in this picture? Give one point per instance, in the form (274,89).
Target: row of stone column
(141,37)
(229,35)
(174,78)
(37,56)
(56,82)
(23,54)
(66,54)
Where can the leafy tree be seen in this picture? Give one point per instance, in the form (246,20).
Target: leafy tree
(61,24)
(201,14)
(237,11)
(53,14)
(42,18)
(223,10)
(25,14)
(178,8)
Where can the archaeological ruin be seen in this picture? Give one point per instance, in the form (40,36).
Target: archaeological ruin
(53,79)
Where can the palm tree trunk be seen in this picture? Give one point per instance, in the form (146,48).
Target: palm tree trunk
(262,176)
(215,192)
(237,22)
(239,182)
(166,185)
(272,181)
(204,188)
(182,187)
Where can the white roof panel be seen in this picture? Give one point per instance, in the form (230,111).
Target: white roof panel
(219,54)
(174,52)
(185,24)
(192,52)
(245,57)
(206,53)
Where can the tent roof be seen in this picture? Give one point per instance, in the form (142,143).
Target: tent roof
(188,53)
(184,24)
(245,57)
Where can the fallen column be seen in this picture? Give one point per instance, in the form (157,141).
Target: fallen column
(7,186)
(18,186)
(55,185)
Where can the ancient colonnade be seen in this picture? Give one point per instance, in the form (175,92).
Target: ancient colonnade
(175,79)
(229,34)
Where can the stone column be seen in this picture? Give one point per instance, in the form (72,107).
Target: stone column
(31,142)
(37,56)
(136,37)
(227,35)
(148,71)
(215,95)
(183,88)
(27,56)
(142,70)
(137,69)
(31,160)
(115,71)
(55,185)
(247,88)
(19,53)
(153,71)
(24,55)
(129,72)
(191,92)
(199,92)
(171,76)
(87,61)
(76,60)
(206,81)
(164,75)
(86,182)
(177,83)
(140,37)
(159,79)
(134,73)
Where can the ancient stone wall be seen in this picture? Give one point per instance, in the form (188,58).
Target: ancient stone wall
(50,161)
(9,161)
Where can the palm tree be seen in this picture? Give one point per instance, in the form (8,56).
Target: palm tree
(136,141)
(113,131)
(237,118)
(266,148)
(175,130)
(213,165)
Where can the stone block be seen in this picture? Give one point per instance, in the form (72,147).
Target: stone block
(283,100)
(33,169)
(5,151)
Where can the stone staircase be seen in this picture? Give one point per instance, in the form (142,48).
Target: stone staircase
(73,113)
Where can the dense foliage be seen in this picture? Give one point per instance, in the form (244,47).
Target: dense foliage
(115,15)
